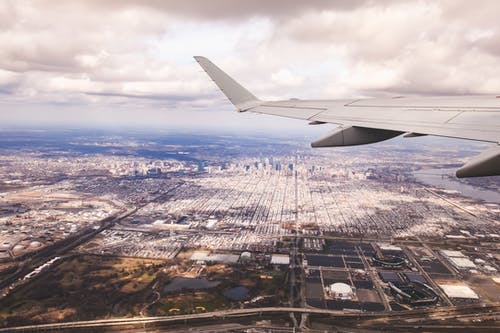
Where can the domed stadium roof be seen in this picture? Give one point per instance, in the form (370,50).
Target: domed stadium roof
(340,288)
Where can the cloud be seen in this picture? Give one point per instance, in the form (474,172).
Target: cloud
(130,55)
(285,77)
(228,9)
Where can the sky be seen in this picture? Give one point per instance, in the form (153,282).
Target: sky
(128,64)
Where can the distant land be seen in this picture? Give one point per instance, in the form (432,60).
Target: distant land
(101,225)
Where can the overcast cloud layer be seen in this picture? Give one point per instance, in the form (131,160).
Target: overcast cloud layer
(129,63)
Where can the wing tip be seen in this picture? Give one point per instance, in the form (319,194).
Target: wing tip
(200,58)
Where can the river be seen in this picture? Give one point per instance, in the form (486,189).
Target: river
(440,178)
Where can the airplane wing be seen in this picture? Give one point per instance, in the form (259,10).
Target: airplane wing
(364,121)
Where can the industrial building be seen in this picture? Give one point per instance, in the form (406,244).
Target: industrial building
(280,259)
(458,260)
(459,291)
(203,256)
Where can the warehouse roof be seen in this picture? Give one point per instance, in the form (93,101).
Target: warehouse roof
(458,291)
(280,259)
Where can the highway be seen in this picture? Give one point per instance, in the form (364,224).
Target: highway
(453,312)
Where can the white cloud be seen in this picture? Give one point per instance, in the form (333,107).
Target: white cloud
(8,77)
(137,55)
(285,77)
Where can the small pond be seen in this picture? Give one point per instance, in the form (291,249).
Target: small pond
(237,293)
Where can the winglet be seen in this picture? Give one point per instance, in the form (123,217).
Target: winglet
(235,92)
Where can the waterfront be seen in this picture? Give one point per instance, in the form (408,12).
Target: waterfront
(446,179)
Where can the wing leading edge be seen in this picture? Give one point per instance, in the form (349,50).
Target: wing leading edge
(374,120)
